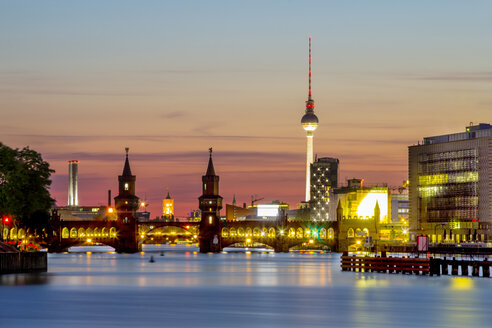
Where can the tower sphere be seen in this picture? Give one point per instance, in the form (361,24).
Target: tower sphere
(309,121)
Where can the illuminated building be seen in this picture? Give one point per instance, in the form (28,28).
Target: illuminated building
(324,177)
(361,211)
(399,207)
(450,175)
(309,123)
(168,207)
(73,177)
(270,211)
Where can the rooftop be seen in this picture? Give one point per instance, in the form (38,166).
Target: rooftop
(480,130)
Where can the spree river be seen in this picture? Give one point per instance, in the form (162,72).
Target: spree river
(184,288)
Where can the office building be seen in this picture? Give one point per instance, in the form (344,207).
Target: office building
(324,177)
(450,191)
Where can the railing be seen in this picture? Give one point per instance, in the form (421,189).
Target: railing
(385,264)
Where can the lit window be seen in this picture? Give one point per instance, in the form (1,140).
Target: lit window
(126,186)
(210,220)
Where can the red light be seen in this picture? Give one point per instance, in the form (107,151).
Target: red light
(187,227)
(6,219)
(309,73)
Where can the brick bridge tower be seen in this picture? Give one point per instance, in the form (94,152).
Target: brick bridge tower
(126,205)
(210,206)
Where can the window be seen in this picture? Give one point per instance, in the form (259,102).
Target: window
(126,186)
(210,219)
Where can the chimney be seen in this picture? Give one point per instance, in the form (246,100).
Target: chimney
(73,177)
(109,197)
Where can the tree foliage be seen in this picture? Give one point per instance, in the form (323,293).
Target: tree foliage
(24,184)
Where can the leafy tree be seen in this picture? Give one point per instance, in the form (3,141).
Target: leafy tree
(24,183)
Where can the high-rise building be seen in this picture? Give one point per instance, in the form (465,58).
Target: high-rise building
(450,179)
(324,177)
(168,207)
(309,123)
(73,177)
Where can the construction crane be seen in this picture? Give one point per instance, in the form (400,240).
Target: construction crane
(254,199)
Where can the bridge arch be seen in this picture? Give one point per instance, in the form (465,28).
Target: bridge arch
(331,233)
(350,233)
(256,232)
(81,233)
(21,234)
(112,232)
(104,232)
(300,233)
(232,232)
(225,232)
(65,233)
(322,233)
(73,233)
(292,233)
(248,232)
(89,232)
(240,232)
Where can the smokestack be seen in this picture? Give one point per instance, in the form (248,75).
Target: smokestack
(109,197)
(73,177)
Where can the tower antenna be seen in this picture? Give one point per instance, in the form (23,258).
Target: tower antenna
(309,92)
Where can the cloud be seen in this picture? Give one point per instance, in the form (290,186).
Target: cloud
(175,114)
(458,76)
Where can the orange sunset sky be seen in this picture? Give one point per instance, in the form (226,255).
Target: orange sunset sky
(84,80)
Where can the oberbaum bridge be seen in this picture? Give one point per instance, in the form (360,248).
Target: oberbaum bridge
(126,233)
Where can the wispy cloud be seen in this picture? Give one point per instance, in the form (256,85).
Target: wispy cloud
(456,76)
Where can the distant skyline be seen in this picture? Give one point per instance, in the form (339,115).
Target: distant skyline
(169,79)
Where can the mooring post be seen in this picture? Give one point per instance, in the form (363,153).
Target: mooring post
(464,268)
(475,269)
(445,266)
(485,268)
(454,267)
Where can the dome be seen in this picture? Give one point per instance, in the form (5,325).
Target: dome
(309,118)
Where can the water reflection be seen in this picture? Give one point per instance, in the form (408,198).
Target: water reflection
(244,290)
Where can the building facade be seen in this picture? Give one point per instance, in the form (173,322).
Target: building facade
(324,177)
(450,191)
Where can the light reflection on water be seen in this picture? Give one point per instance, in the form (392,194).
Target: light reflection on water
(183,288)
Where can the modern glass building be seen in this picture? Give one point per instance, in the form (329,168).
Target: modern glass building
(450,191)
(324,177)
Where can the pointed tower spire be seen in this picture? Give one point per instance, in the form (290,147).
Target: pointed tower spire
(210,168)
(234,200)
(126,170)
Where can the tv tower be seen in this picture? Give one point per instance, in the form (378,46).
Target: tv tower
(309,123)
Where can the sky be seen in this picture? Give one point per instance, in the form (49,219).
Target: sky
(82,80)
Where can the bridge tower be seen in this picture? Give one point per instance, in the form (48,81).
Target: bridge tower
(210,206)
(126,205)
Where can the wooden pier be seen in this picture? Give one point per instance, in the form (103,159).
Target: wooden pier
(423,266)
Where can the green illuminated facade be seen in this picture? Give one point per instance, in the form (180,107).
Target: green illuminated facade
(450,194)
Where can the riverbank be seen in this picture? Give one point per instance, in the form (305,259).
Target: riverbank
(13,261)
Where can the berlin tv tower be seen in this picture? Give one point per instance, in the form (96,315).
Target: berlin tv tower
(309,123)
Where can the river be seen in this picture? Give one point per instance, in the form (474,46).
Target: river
(183,288)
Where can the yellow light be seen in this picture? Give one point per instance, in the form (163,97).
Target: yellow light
(461,283)
(311,241)
(368,203)
(358,242)
(89,240)
(281,232)
(248,240)
(110,210)
(88,253)
(142,204)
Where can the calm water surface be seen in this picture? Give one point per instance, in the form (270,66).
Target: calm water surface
(186,289)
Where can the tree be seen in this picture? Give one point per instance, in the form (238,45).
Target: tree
(24,184)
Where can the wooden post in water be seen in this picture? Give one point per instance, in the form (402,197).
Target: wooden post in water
(485,268)
(445,266)
(454,267)
(464,268)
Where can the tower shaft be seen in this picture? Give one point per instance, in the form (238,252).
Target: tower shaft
(309,161)
(73,197)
